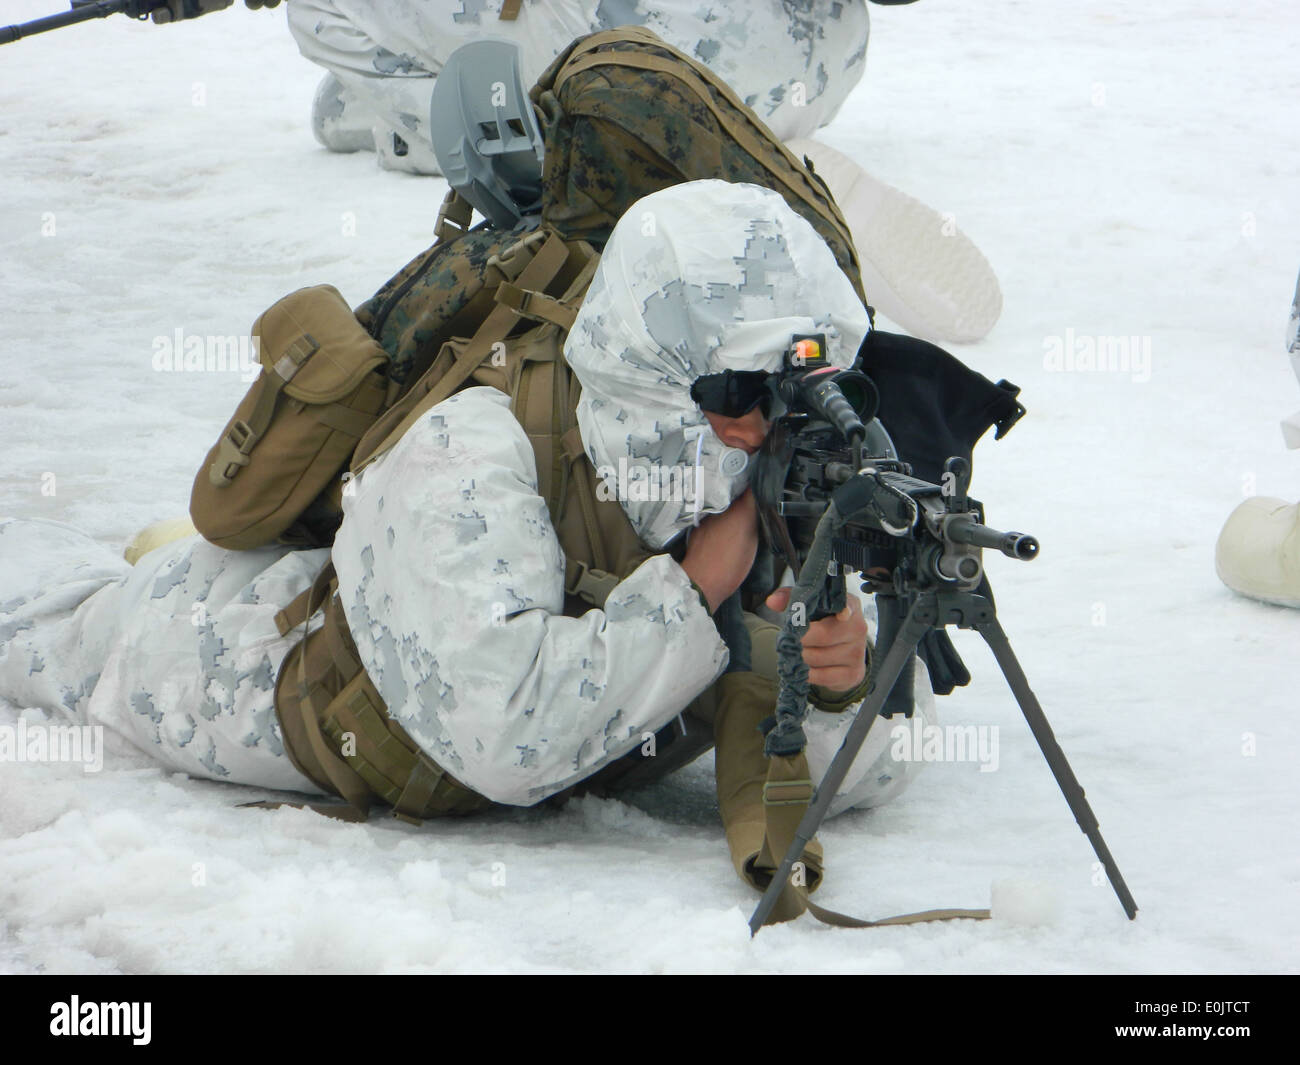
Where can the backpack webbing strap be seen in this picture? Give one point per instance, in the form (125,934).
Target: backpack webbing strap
(536,305)
(510,10)
(234,448)
(588,584)
(345,780)
(533,404)
(454,217)
(540,272)
(296,612)
(785,801)
(573,452)
(753,136)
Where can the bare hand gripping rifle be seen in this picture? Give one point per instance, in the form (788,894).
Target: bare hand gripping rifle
(832,495)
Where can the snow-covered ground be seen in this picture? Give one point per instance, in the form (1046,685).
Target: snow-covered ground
(1130,171)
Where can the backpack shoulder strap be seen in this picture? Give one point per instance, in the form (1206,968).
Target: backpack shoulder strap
(528,303)
(448,372)
(454,217)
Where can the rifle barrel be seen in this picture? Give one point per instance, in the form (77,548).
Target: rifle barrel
(81,13)
(1011,544)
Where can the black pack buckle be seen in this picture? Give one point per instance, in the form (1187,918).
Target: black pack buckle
(1017,411)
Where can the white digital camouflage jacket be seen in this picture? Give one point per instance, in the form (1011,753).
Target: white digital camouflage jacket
(450,572)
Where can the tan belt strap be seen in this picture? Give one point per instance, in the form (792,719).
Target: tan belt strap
(305,603)
(535,305)
(345,661)
(346,781)
(296,612)
(510,10)
(418,790)
(785,801)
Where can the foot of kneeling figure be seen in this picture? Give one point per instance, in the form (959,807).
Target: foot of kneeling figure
(1258,551)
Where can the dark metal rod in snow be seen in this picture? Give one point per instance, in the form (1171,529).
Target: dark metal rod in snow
(932,610)
(80,13)
(997,640)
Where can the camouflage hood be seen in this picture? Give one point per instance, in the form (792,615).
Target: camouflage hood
(696,279)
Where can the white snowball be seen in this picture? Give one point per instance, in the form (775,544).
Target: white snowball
(1022,901)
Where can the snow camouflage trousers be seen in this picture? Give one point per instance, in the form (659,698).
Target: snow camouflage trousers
(178,654)
(793,61)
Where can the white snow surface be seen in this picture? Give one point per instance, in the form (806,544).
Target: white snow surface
(1129,172)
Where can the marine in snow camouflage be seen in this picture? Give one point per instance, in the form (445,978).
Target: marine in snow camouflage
(449,569)
(515,700)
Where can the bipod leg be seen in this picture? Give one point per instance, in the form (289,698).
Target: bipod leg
(919,619)
(986,623)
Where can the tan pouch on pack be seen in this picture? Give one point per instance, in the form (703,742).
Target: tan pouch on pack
(322,386)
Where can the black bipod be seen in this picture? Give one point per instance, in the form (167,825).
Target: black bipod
(934,610)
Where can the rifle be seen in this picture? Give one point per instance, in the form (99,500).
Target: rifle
(82,11)
(833,494)
(85,10)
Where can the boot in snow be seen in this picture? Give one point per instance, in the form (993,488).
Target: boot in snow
(340,121)
(1258,553)
(156,535)
(918,269)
